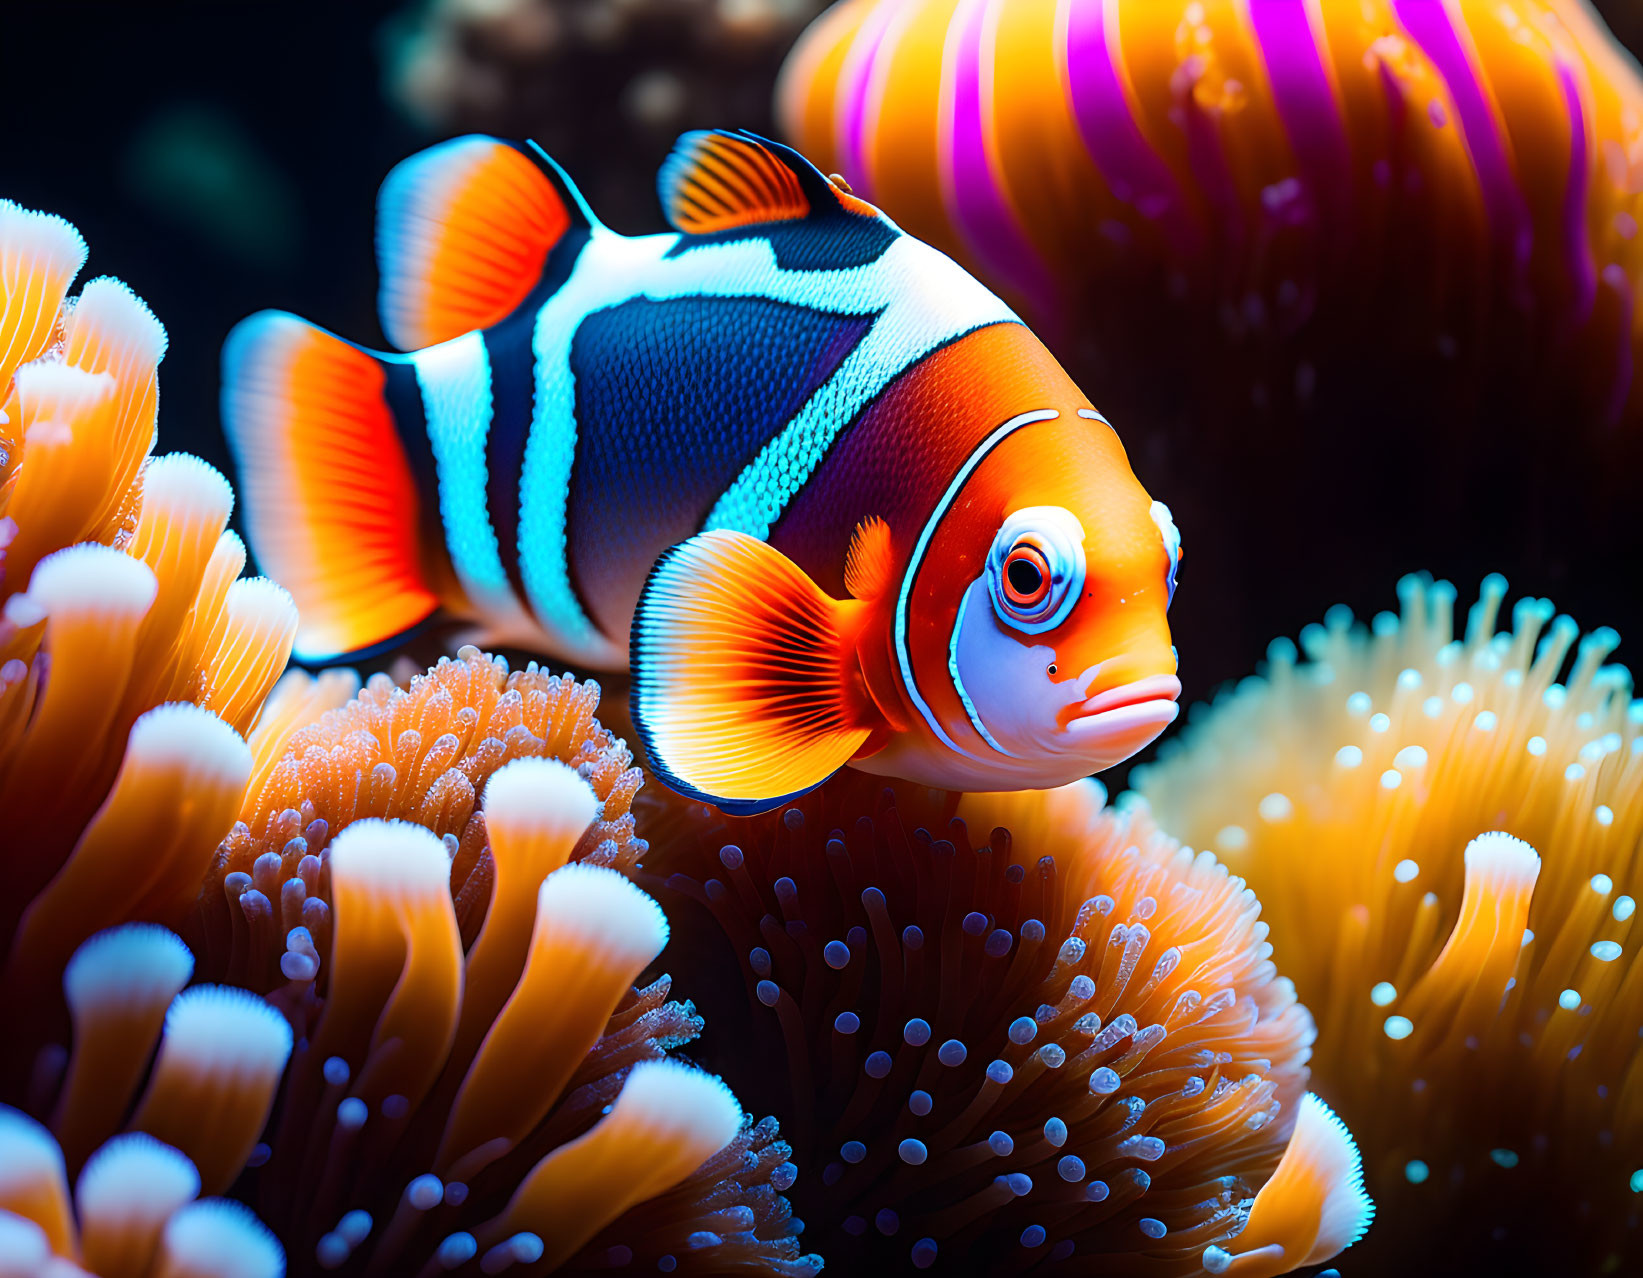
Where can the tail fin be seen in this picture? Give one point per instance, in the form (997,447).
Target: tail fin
(331,507)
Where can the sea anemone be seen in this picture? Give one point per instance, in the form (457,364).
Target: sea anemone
(509,1103)
(132,658)
(1446,838)
(142,1141)
(437,1109)
(1295,241)
(488,814)
(167,621)
(1065,1040)
(132,663)
(1269,162)
(421,753)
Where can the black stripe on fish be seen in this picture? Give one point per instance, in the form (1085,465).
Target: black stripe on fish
(839,244)
(403,395)
(674,399)
(513,400)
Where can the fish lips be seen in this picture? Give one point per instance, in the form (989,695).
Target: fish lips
(1113,725)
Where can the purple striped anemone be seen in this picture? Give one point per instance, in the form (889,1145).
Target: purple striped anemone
(1468,169)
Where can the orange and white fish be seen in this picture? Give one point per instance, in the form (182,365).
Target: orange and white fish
(823,490)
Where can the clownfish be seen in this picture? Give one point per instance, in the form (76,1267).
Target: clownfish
(816,485)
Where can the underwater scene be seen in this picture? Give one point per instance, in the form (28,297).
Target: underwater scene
(766,637)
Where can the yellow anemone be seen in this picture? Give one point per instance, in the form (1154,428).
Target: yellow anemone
(1445,832)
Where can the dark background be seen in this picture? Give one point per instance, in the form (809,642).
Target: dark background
(224,157)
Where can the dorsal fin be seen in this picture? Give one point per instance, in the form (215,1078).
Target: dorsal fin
(869,564)
(463,230)
(718,180)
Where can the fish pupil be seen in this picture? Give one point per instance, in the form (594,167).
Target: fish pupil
(1025,578)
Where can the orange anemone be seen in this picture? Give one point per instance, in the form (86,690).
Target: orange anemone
(133,657)
(326,757)
(1015,1028)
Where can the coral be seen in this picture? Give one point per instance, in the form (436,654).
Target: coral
(422,753)
(1446,838)
(1064,1040)
(132,657)
(593,78)
(440,1107)
(493,813)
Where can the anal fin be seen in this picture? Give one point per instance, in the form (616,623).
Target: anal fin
(746,689)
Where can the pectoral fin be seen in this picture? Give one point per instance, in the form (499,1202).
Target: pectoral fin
(869,564)
(745,684)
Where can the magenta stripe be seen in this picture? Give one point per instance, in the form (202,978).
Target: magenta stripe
(854,87)
(1306,102)
(975,203)
(1577,249)
(1134,172)
(1428,22)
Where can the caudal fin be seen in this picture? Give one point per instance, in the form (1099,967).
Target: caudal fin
(331,508)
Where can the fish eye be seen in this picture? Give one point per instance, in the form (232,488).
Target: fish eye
(1035,569)
(1026,576)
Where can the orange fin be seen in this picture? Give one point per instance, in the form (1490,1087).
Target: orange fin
(463,230)
(717,181)
(869,564)
(331,508)
(745,686)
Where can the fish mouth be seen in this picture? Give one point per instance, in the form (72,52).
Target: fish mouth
(1118,722)
(1151,688)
